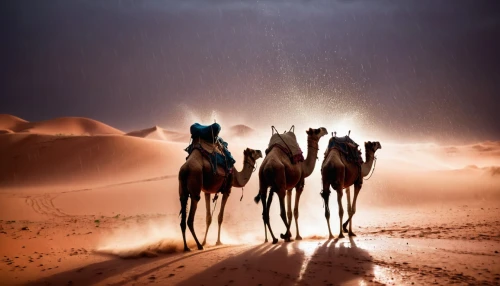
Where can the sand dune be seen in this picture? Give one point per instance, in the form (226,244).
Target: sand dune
(69,126)
(58,126)
(10,122)
(83,161)
(241,130)
(158,133)
(6,131)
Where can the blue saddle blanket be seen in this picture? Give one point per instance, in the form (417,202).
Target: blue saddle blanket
(210,134)
(227,161)
(206,132)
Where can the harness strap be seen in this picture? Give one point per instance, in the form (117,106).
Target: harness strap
(290,150)
(294,158)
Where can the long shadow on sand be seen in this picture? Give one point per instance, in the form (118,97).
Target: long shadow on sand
(307,262)
(94,273)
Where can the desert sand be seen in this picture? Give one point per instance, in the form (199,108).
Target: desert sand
(82,203)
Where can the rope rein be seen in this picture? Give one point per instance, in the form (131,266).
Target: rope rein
(373,169)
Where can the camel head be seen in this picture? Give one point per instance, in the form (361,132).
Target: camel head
(252,155)
(372,146)
(316,134)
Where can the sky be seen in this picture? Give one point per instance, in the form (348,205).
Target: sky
(406,70)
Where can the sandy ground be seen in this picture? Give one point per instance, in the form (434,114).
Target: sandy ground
(42,242)
(103,210)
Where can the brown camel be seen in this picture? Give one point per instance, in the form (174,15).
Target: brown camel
(281,175)
(338,172)
(196,175)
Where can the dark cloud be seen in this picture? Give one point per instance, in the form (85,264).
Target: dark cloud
(418,69)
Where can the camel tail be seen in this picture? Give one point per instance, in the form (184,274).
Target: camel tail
(268,176)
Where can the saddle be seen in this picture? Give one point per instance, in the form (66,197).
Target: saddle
(287,142)
(205,132)
(206,139)
(347,147)
(214,148)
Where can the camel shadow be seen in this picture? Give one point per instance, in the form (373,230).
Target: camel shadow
(96,272)
(92,273)
(306,262)
(338,262)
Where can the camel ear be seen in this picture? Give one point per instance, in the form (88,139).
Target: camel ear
(309,131)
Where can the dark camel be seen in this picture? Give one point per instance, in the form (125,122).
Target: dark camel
(196,175)
(278,173)
(337,172)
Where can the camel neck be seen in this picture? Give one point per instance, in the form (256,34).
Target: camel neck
(242,178)
(311,143)
(369,156)
(312,153)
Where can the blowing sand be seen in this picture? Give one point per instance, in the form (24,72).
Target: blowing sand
(103,209)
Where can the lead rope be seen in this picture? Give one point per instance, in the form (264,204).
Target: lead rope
(254,168)
(373,170)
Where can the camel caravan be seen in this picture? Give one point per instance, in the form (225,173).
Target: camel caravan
(209,167)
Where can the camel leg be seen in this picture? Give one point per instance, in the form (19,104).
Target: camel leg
(287,234)
(357,188)
(325,194)
(349,207)
(298,192)
(289,206)
(192,212)
(221,215)
(184,199)
(341,211)
(266,206)
(209,217)
(263,199)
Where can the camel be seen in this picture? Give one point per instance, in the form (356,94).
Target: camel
(281,175)
(337,172)
(196,175)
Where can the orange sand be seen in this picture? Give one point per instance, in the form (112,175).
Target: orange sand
(72,207)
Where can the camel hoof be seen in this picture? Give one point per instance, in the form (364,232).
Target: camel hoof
(200,247)
(341,235)
(266,241)
(345,230)
(275,240)
(352,234)
(186,249)
(218,243)
(331,237)
(203,243)
(286,236)
(298,237)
